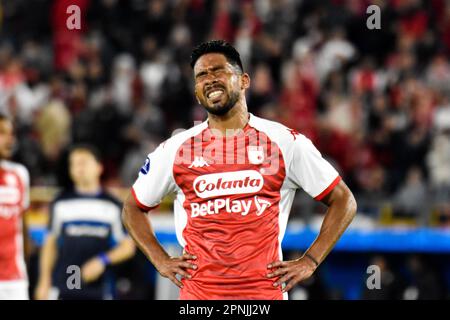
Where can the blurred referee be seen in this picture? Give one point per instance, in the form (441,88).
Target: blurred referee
(85,231)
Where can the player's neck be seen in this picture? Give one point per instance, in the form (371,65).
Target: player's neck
(88,188)
(235,119)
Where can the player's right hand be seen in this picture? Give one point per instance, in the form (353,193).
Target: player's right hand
(171,266)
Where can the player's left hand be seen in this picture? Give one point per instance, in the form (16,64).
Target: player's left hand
(92,270)
(291,272)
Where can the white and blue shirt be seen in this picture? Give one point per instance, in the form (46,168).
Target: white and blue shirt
(85,226)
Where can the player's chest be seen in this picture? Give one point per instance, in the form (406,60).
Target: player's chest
(11,194)
(229,167)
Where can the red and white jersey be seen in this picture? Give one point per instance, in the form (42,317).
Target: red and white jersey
(14,199)
(233,198)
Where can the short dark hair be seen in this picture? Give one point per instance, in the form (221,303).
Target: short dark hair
(88,148)
(217,46)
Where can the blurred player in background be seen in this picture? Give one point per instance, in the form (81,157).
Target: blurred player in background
(235,176)
(85,230)
(14,199)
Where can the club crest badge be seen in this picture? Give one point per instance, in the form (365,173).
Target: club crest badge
(146,167)
(255,154)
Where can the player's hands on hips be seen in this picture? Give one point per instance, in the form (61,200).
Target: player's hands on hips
(171,266)
(92,269)
(291,272)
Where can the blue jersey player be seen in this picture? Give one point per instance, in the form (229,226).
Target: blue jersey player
(85,232)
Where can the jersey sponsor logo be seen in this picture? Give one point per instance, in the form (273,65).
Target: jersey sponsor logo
(146,167)
(255,154)
(9,195)
(199,162)
(227,205)
(87,231)
(227,183)
(261,205)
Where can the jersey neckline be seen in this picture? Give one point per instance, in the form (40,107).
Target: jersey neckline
(246,128)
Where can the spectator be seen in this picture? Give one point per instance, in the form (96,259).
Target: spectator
(410,201)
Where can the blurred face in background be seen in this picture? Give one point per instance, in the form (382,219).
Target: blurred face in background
(84,168)
(7,138)
(218,83)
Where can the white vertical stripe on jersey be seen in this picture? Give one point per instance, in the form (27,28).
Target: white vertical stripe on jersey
(180,217)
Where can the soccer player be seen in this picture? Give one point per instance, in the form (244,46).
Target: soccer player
(235,176)
(14,200)
(85,231)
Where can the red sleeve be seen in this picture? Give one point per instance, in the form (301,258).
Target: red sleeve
(328,189)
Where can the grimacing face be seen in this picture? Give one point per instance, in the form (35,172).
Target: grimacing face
(218,84)
(84,168)
(7,139)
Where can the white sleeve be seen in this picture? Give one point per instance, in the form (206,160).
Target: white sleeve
(155,179)
(309,170)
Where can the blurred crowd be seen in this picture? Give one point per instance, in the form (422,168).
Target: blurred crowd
(375,102)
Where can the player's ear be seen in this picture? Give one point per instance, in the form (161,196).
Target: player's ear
(101,168)
(245,81)
(196,96)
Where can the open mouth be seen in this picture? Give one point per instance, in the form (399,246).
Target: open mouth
(215,94)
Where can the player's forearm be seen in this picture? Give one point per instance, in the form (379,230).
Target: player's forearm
(47,259)
(141,231)
(123,251)
(341,211)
